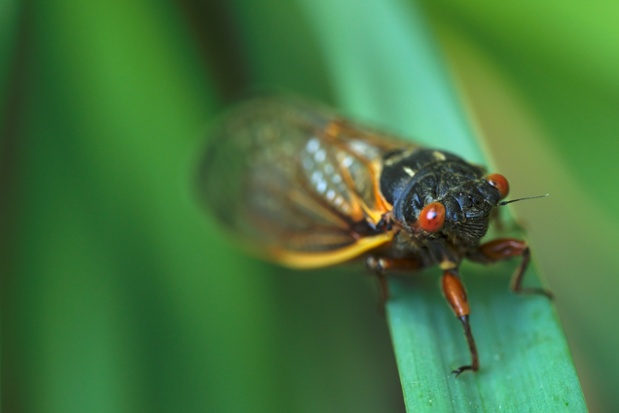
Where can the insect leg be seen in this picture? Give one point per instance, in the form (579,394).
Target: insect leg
(380,265)
(504,248)
(455,294)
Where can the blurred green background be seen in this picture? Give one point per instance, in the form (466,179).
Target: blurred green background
(119,294)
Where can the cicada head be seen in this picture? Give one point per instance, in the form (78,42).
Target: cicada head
(451,199)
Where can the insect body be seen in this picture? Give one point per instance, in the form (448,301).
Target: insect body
(305,188)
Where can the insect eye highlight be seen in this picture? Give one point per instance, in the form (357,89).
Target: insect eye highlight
(432,217)
(500,183)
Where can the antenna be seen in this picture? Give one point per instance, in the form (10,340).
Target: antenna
(523,199)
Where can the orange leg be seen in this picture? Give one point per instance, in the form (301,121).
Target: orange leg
(455,294)
(504,248)
(453,290)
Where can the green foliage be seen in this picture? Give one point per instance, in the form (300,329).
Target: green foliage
(119,294)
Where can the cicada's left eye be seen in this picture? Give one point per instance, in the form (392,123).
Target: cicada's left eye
(432,217)
(500,183)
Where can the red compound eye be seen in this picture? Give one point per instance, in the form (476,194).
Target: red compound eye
(432,217)
(499,182)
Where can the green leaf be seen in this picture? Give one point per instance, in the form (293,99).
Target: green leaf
(397,76)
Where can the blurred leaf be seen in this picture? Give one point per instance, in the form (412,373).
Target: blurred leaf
(10,13)
(125,297)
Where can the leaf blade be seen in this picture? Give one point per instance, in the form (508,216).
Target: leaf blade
(526,364)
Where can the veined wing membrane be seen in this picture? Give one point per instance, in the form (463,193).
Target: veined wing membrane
(295,183)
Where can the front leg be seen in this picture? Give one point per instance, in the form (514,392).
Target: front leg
(504,248)
(452,288)
(455,294)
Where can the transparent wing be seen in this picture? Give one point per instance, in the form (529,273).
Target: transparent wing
(296,183)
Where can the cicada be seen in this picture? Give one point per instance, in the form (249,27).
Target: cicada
(303,187)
